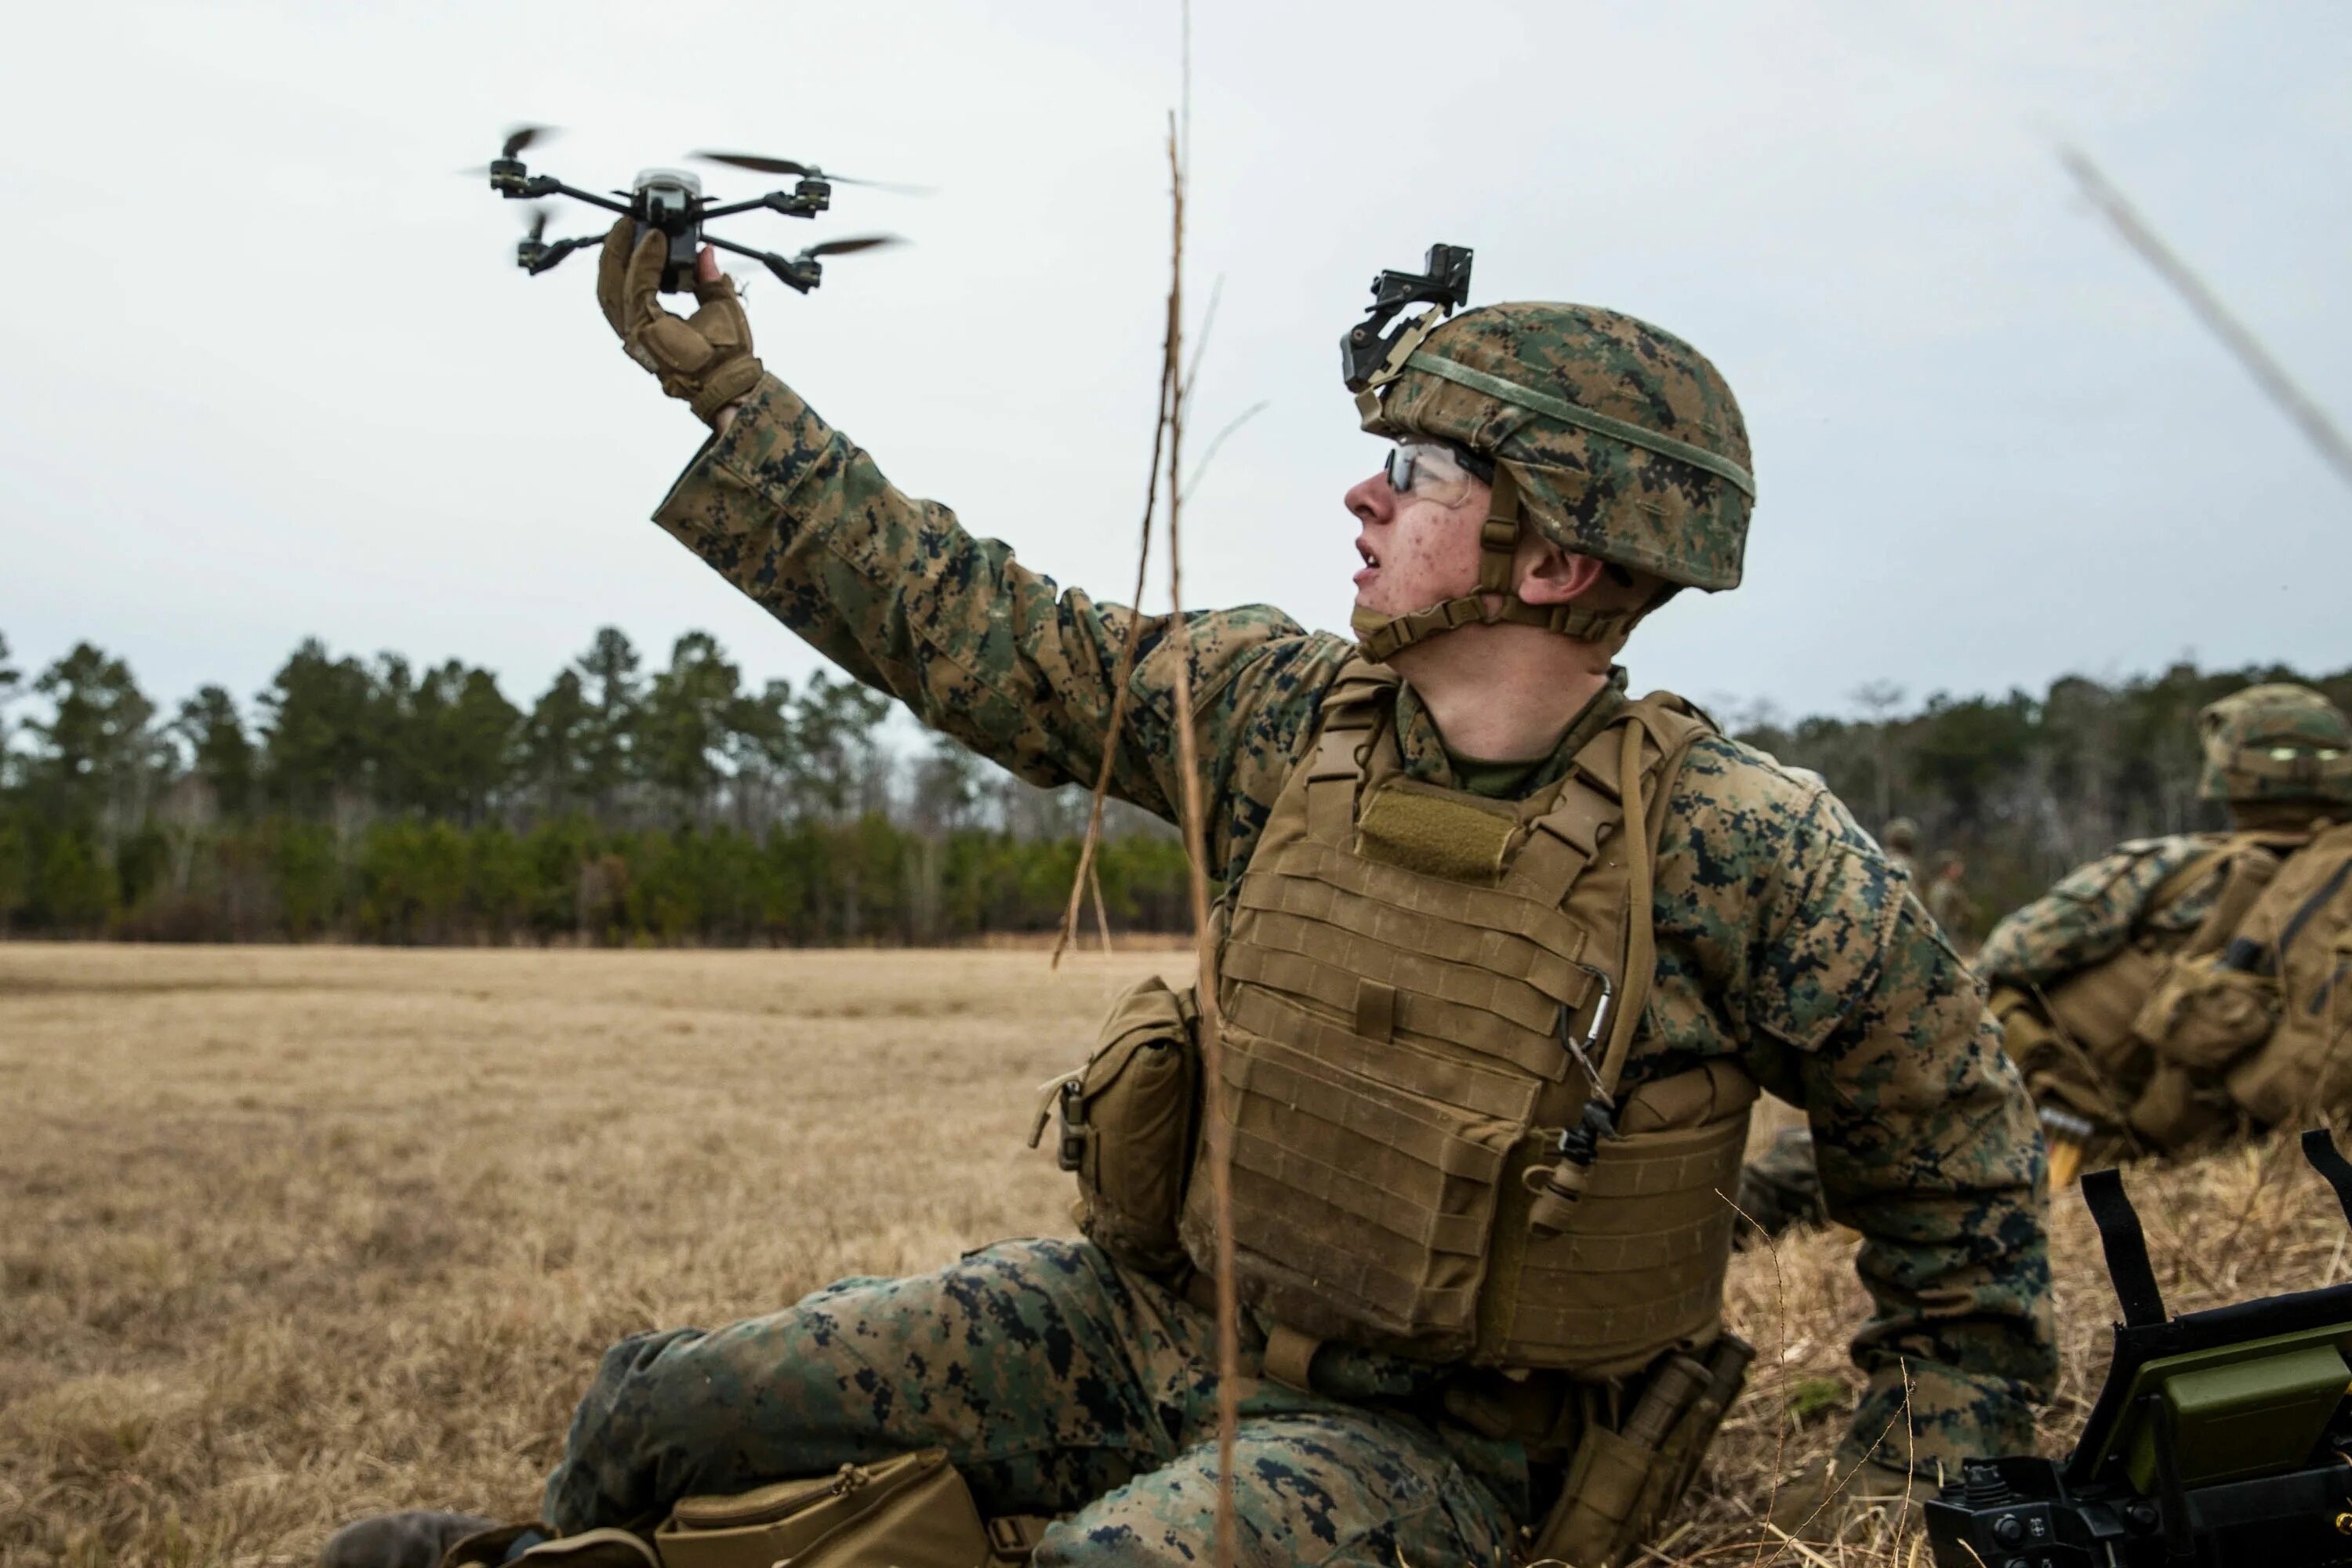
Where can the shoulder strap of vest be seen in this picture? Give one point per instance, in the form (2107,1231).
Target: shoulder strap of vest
(2184,881)
(1605,787)
(1353,699)
(1351,708)
(1675,730)
(1564,841)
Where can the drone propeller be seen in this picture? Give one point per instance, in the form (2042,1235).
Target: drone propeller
(522,136)
(539,212)
(850,245)
(765,165)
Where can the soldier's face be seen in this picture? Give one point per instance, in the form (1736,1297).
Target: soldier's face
(1419,549)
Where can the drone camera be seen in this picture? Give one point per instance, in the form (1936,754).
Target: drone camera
(671,201)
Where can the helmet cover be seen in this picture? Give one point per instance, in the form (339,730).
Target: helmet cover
(2275,741)
(1628,446)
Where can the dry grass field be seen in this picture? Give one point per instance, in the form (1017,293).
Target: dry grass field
(288,1235)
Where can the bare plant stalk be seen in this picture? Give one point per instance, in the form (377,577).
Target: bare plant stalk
(1196,852)
(1102,916)
(2268,373)
(1092,842)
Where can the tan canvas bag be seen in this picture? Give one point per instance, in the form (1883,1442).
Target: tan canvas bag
(910,1512)
(1128,1120)
(2300,935)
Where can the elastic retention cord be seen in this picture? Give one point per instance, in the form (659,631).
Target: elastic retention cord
(1586,419)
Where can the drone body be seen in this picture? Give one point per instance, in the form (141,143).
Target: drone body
(672,202)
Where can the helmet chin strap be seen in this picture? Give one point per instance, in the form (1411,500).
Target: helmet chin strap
(1498,550)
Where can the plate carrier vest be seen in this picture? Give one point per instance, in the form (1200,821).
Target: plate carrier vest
(1420,989)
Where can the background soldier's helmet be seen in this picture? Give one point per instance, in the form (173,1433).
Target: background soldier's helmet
(2277,741)
(1901,835)
(1626,443)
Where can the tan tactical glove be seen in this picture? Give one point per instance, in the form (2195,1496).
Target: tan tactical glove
(1814,1507)
(706,358)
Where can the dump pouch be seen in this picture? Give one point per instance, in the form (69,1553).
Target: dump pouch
(2203,1016)
(1127,1125)
(909,1511)
(2095,1009)
(1623,1485)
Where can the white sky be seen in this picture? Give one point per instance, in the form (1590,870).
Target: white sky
(268,372)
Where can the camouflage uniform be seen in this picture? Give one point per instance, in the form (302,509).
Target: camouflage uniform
(2091,912)
(1061,1384)
(1785,941)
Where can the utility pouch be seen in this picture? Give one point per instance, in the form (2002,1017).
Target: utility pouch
(910,1512)
(2095,1009)
(2174,1113)
(1622,1486)
(1127,1126)
(2203,1016)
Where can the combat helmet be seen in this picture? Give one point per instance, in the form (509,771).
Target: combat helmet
(1610,436)
(2275,741)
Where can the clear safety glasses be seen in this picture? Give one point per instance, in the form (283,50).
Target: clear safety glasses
(1426,471)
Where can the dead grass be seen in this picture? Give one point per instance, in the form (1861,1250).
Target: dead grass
(292,1234)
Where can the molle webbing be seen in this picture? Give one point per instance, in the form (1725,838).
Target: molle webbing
(1400,974)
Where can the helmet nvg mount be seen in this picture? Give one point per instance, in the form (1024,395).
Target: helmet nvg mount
(1609,437)
(2275,741)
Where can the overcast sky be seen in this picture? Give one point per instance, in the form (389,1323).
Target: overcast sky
(267,369)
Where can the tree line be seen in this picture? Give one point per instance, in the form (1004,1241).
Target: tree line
(2023,788)
(381,801)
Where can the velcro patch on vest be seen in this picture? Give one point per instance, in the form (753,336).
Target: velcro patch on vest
(1438,833)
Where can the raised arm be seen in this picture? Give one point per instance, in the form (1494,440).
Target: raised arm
(896,592)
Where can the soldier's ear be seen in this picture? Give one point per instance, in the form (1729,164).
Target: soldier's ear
(1551,575)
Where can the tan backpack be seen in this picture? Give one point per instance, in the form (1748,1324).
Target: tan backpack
(2297,939)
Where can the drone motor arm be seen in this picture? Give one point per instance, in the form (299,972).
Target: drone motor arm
(803,202)
(549,255)
(795,272)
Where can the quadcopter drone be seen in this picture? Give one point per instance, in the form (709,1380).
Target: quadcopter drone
(672,201)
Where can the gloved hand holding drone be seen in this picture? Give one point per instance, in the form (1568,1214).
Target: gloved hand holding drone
(659,246)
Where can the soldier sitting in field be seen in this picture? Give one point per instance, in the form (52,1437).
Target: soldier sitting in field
(1505,957)
(2178,992)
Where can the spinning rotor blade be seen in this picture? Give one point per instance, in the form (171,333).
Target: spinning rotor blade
(765,165)
(522,136)
(847,247)
(538,212)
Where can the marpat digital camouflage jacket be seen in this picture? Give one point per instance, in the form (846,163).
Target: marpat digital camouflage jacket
(1784,938)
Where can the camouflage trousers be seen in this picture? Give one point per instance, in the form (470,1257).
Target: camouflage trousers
(1059,1384)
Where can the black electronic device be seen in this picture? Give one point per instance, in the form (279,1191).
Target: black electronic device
(2220,1438)
(1444,280)
(673,201)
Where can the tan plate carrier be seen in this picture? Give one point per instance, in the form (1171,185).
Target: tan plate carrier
(1421,988)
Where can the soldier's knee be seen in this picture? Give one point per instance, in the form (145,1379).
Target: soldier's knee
(1094,1541)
